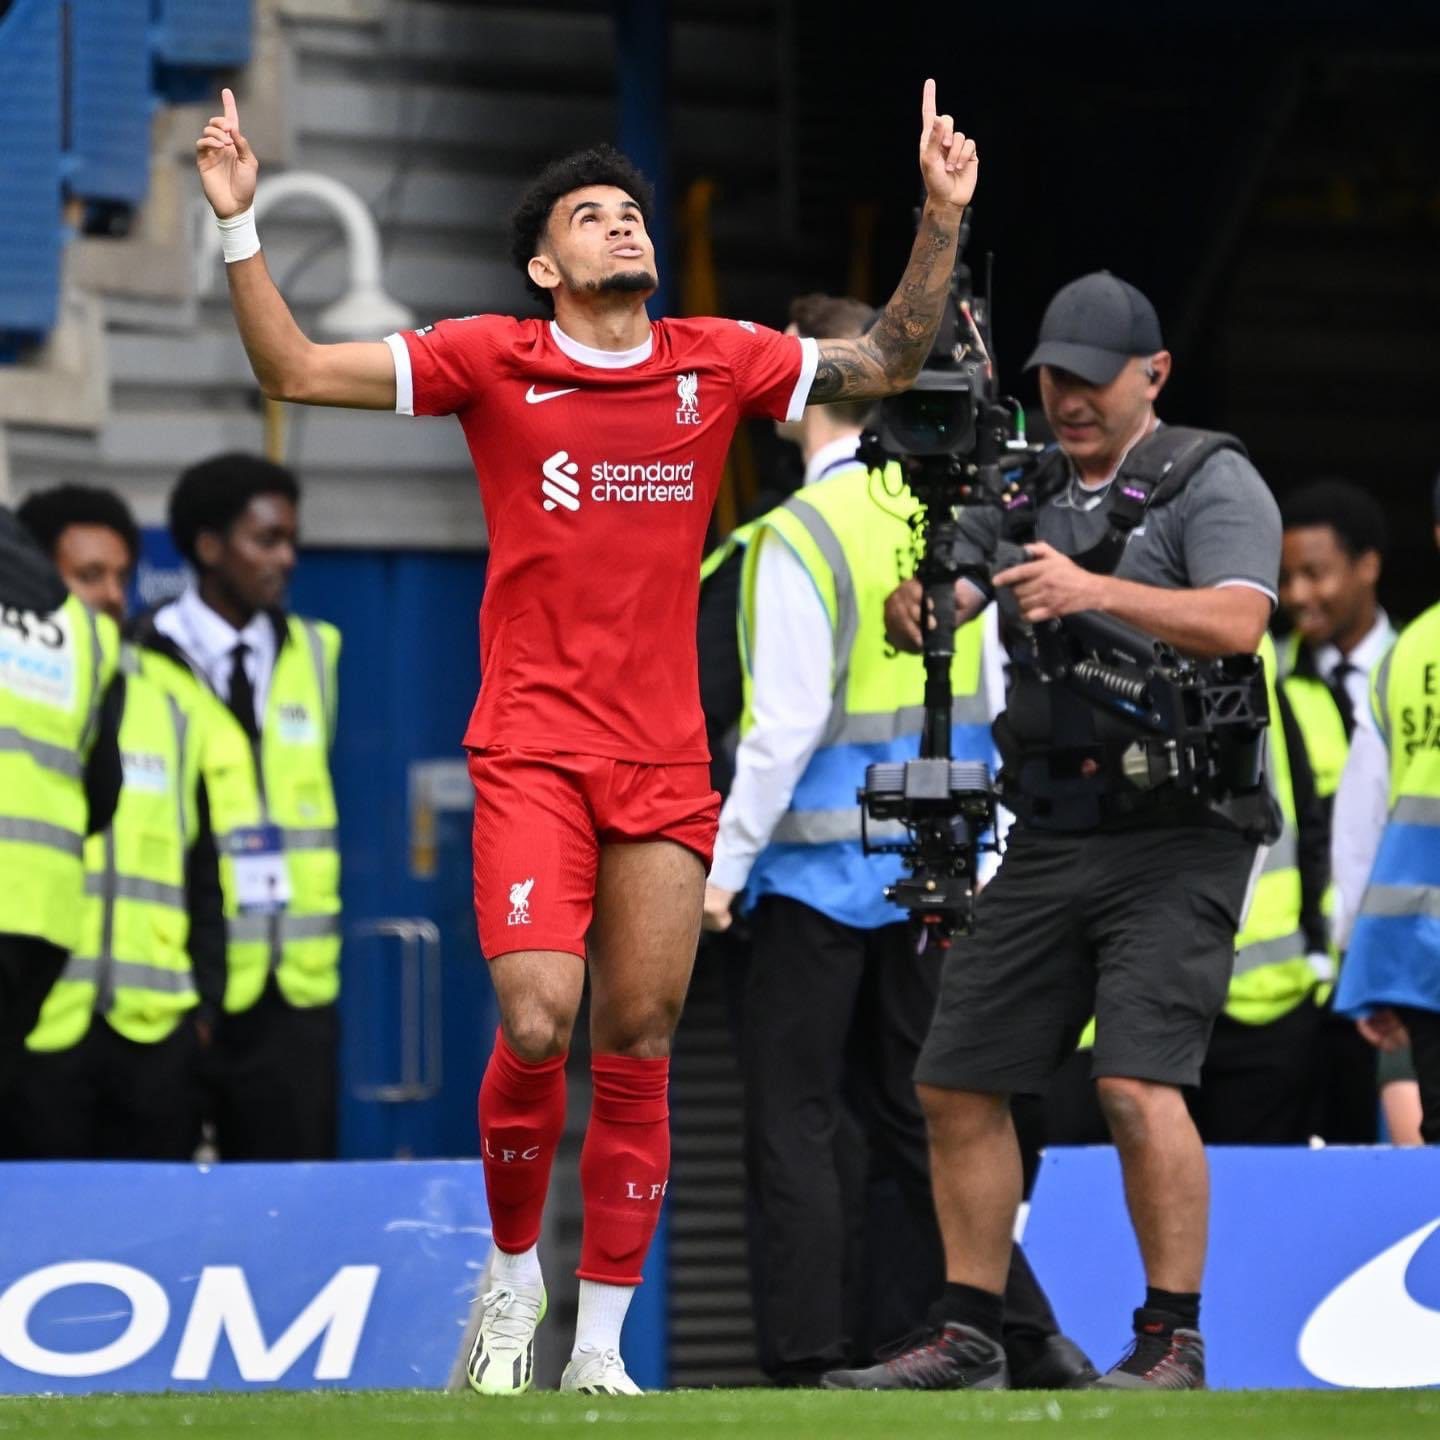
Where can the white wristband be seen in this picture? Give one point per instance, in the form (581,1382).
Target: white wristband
(239,239)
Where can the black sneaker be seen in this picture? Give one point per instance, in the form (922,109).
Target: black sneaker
(953,1357)
(1060,1365)
(1159,1359)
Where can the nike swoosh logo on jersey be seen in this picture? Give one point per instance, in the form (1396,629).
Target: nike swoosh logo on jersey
(537,397)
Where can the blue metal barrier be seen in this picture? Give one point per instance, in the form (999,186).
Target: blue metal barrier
(110,100)
(30,130)
(1324,1266)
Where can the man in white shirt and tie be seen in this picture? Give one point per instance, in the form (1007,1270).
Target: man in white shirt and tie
(268,682)
(1333,552)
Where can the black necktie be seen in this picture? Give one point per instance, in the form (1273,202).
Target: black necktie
(242,692)
(1341,693)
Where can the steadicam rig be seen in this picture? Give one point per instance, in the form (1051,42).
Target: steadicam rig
(957,443)
(1204,720)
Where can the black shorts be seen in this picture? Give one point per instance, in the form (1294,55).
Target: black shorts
(1135,927)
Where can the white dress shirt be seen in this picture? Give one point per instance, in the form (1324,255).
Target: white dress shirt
(1362,801)
(791,652)
(1362,806)
(1362,659)
(210,640)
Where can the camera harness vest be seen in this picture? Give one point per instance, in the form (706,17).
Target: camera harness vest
(1154,473)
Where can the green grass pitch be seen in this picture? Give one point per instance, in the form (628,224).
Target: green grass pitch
(717,1414)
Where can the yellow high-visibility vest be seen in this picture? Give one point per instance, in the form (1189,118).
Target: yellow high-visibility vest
(54,671)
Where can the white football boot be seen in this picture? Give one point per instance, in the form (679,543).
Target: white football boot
(597,1372)
(502,1359)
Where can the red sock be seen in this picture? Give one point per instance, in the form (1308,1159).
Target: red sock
(624,1166)
(522,1114)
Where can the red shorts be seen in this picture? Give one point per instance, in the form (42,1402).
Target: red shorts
(540,820)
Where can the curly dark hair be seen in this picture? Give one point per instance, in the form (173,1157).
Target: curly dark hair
(213,495)
(597,165)
(1351,511)
(47,514)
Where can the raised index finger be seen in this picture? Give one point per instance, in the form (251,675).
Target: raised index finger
(927,105)
(232,115)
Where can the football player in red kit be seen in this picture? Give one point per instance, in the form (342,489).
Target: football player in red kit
(598,438)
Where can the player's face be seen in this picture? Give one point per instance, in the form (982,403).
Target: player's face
(253,561)
(596,241)
(1094,423)
(1326,591)
(94,562)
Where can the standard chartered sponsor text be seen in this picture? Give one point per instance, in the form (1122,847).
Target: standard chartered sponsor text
(653,482)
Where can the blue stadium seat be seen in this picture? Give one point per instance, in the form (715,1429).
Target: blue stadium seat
(202,34)
(30,127)
(110,100)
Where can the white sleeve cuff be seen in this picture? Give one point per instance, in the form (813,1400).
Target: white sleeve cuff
(404,377)
(1265,590)
(729,872)
(809,359)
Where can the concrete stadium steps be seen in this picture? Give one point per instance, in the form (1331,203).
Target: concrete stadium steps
(712,1330)
(435,113)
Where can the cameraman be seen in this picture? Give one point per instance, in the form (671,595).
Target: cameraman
(1111,900)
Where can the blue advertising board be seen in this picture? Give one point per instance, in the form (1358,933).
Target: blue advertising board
(133,1277)
(1324,1265)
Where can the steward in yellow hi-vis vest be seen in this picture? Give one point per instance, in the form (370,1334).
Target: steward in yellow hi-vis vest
(131,965)
(54,670)
(110,1069)
(1393,959)
(269,703)
(1332,558)
(59,772)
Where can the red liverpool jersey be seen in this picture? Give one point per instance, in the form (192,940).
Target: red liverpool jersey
(598,470)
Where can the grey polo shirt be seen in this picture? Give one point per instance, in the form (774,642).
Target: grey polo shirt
(1222,529)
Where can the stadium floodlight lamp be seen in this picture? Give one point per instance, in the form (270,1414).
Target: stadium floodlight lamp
(364,311)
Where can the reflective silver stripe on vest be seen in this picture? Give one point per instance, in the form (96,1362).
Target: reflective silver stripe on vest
(908,720)
(1284,854)
(97,687)
(292,838)
(1396,901)
(1380,689)
(1417,810)
(847,613)
(824,827)
(131,887)
(52,757)
(242,928)
(89,969)
(37,832)
(181,723)
(1269,952)
(322,673)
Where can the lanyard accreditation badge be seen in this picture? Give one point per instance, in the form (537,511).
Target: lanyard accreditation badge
(262,884)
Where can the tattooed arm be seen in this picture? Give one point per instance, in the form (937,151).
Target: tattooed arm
(889,356)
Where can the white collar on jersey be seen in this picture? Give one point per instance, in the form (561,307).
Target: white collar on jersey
(601,359)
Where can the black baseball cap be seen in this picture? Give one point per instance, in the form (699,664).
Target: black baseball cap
(1094,325)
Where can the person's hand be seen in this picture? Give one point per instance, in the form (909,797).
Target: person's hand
(716,916)
(949,164)
(227,165)
(1385,1030)
(1050,585)
(902,616)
